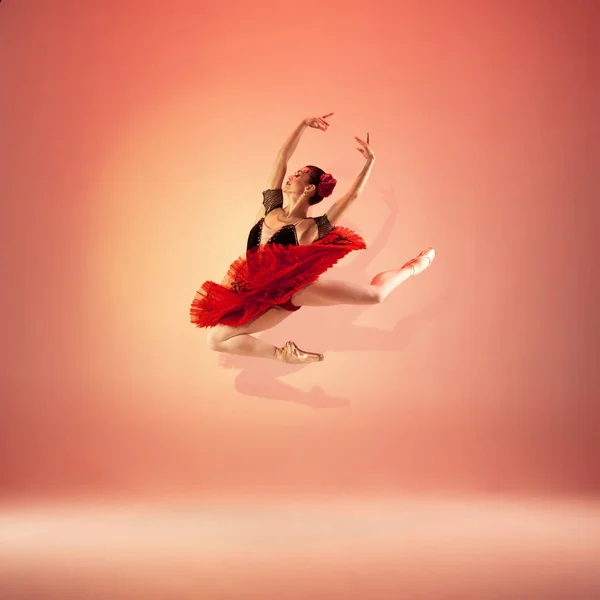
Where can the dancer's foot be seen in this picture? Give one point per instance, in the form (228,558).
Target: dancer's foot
(290,353)
(421,262)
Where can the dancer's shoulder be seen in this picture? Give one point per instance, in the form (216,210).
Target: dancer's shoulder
(272,199)
(323,225)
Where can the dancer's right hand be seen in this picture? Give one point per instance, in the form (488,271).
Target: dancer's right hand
(318,122)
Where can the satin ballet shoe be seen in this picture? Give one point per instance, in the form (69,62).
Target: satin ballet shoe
(417,265)
(290,353)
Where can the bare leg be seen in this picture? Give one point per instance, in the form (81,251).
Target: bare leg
(387,281)
(331,293)
(237,340)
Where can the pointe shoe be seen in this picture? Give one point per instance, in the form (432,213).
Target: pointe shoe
(290,353)
(417,264)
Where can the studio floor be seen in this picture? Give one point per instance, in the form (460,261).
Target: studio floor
(309,548)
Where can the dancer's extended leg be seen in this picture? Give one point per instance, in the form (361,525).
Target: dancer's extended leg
(329,293)
(387,281)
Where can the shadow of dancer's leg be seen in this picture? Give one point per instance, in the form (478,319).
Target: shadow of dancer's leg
(270,387)
(371,338)
(404,332)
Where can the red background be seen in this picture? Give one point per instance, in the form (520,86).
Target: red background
(136,141)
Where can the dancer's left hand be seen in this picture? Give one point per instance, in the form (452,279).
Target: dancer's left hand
(366,150)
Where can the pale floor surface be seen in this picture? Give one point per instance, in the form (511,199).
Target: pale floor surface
(309,549)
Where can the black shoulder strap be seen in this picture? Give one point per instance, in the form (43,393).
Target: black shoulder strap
(323,225)
(272,199)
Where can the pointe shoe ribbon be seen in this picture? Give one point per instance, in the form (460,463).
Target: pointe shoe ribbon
(290,353)
(417,265)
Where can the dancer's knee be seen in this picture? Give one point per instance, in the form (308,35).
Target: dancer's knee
(215,339)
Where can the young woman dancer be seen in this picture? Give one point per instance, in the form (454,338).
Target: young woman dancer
(286,253)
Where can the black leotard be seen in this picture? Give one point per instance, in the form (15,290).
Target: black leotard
(286,235)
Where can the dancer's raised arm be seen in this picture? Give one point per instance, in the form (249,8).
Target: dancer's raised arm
(275,179)
(339,207)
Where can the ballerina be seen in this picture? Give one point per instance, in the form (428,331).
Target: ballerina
(286,253)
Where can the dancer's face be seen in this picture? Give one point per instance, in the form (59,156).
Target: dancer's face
(297,182)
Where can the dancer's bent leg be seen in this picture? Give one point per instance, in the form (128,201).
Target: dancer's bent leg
(237,340)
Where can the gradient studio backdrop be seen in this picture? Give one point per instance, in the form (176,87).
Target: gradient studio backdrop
(136,141)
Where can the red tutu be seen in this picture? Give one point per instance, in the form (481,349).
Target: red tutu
(267,276)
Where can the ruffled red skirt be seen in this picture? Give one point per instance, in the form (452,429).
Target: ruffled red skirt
(268,276)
